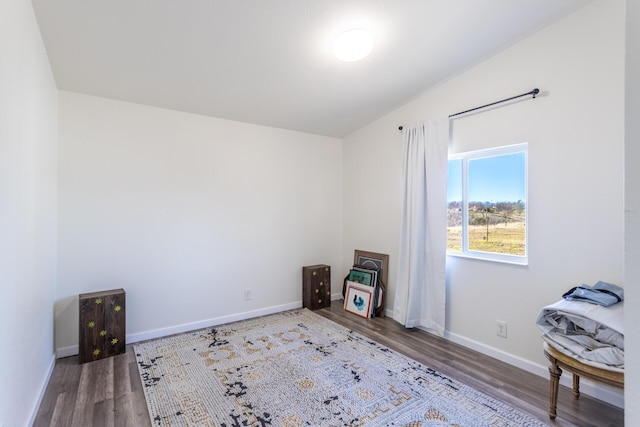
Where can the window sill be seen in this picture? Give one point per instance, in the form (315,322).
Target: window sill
(502,259)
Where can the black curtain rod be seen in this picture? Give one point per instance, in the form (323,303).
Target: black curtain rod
(534,92)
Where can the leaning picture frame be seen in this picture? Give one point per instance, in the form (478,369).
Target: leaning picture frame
(362,276)
(375,260)
(359,299)
(364,270)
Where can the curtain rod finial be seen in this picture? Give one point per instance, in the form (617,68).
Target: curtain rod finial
(535,92)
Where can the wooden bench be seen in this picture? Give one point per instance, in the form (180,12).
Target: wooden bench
(561,361)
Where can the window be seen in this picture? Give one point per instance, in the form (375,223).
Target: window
(487,204)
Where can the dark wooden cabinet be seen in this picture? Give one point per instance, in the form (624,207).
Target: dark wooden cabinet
(102,325)
(316,286)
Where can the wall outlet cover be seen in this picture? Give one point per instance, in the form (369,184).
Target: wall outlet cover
(501,328)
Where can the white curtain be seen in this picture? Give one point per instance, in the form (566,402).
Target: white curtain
(420,284)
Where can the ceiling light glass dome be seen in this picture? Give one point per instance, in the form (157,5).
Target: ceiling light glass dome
(353,45)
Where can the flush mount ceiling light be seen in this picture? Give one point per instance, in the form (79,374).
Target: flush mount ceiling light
(353,45)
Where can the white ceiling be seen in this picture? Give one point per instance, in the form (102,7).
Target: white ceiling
(269,62)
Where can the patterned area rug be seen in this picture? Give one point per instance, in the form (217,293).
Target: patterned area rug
(297,368)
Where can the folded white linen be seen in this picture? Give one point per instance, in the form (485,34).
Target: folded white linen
(588,332)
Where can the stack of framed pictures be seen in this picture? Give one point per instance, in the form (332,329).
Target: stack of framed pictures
(364,286)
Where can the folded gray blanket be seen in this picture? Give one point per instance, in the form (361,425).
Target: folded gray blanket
(591,333)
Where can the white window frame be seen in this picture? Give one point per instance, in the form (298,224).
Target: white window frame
(479,154)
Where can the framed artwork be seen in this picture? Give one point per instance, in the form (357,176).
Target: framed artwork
(359,299)
(362,277)
(367,270)
(372,259)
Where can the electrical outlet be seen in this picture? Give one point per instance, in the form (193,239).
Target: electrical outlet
(501,328)
(248,294)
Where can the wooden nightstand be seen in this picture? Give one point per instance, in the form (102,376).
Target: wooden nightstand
(316,286)
(102,325)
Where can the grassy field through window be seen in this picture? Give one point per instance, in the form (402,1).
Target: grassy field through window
(504,239)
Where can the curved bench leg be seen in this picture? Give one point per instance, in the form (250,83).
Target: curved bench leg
(554,373)
(576,386)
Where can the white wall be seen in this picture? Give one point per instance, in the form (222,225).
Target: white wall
(575,135)
(185,212)
(28,189)
(632,217)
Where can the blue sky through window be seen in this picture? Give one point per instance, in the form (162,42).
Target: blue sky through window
(491,179)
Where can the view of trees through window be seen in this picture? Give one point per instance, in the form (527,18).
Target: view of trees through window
(493,190)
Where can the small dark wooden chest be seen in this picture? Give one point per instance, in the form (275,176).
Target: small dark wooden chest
(316,286)
(102,325)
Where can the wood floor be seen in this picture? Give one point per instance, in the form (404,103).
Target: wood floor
(108,392)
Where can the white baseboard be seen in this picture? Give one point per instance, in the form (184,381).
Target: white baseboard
(186,327)
(611,395)
(163,332)
(607,394)
(43,389)
(72,350)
